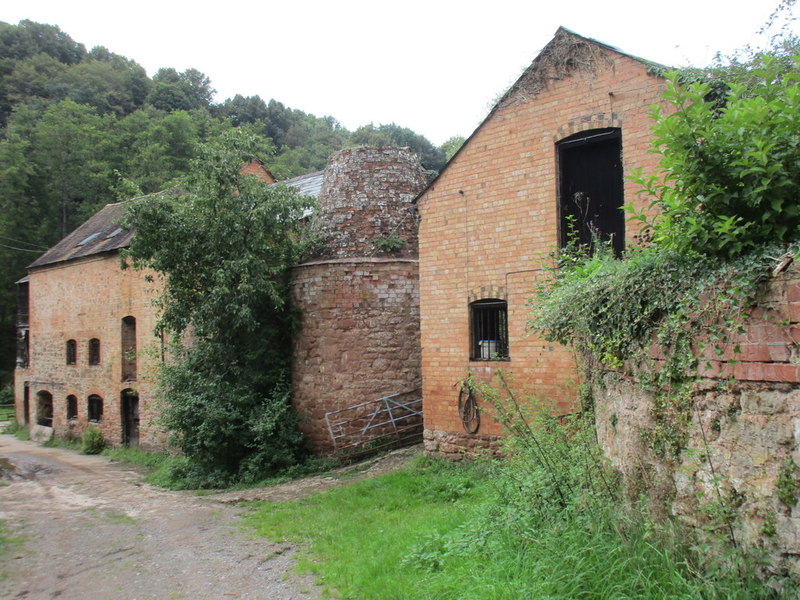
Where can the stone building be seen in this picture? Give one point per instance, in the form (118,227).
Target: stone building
(86,337)
(552,156)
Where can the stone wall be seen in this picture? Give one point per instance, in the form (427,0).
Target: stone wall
(359,336)
(743,434)
(368,194)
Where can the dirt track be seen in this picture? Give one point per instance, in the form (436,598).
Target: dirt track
(94,531)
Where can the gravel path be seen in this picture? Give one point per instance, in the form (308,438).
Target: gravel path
(93,531)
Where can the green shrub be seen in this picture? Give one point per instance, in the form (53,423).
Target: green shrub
(92,441)
(730,168)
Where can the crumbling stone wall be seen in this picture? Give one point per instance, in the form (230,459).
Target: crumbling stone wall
(358,338)
(744,432)
(367,194)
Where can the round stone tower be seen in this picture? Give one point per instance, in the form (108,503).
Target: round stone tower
(358,297)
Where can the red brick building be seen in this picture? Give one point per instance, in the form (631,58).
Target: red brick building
(86,337)
(86,342)
(553,154)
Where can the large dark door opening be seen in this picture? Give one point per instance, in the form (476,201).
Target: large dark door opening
(130,418)
(591,189)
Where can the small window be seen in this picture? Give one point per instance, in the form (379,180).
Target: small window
(94,351)
(95,407)
(72,407)
(72,352)
(489,330)
(23,347)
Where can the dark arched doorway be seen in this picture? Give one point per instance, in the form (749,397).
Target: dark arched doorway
(44,409)
(130,417)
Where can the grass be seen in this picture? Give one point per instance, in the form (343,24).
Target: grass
(357,536)
(7,412)
(57,442)
(438,531)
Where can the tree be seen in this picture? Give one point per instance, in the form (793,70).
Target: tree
(730,162)
(188,90)
(116,85)
(225,243)
(241,110)
(19,234)
(29,38)
(73,174)
(452,145)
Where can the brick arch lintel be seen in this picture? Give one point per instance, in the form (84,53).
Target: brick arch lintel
(487,291)
(598,120)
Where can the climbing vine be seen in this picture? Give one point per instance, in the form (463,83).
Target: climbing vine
(722,215)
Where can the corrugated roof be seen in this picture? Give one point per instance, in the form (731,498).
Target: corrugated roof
(101,233)
(309,184)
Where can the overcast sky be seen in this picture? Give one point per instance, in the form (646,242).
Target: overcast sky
(433,66)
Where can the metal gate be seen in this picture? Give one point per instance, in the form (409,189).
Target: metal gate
(388,422)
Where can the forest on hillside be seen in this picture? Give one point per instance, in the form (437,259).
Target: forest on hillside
(79,129)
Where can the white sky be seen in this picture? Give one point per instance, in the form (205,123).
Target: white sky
(434,66)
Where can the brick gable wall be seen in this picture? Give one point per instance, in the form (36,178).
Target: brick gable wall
(491,219)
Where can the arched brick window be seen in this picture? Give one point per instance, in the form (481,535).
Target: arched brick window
(72,407)
(94,351)
(95,409)
(72,352)
(488,329)
(591,189)
(128,338)
(44,409)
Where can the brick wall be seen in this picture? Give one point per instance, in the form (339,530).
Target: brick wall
(490,220)
(358,339)
(81,300)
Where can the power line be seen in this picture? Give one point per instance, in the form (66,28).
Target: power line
(8,239)
(20,249)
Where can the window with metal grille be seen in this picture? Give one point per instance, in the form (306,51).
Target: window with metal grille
(95,407)
(72,407)
(72,352)
(94,351)
(488,330)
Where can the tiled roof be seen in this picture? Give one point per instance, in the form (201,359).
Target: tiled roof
(99,234)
